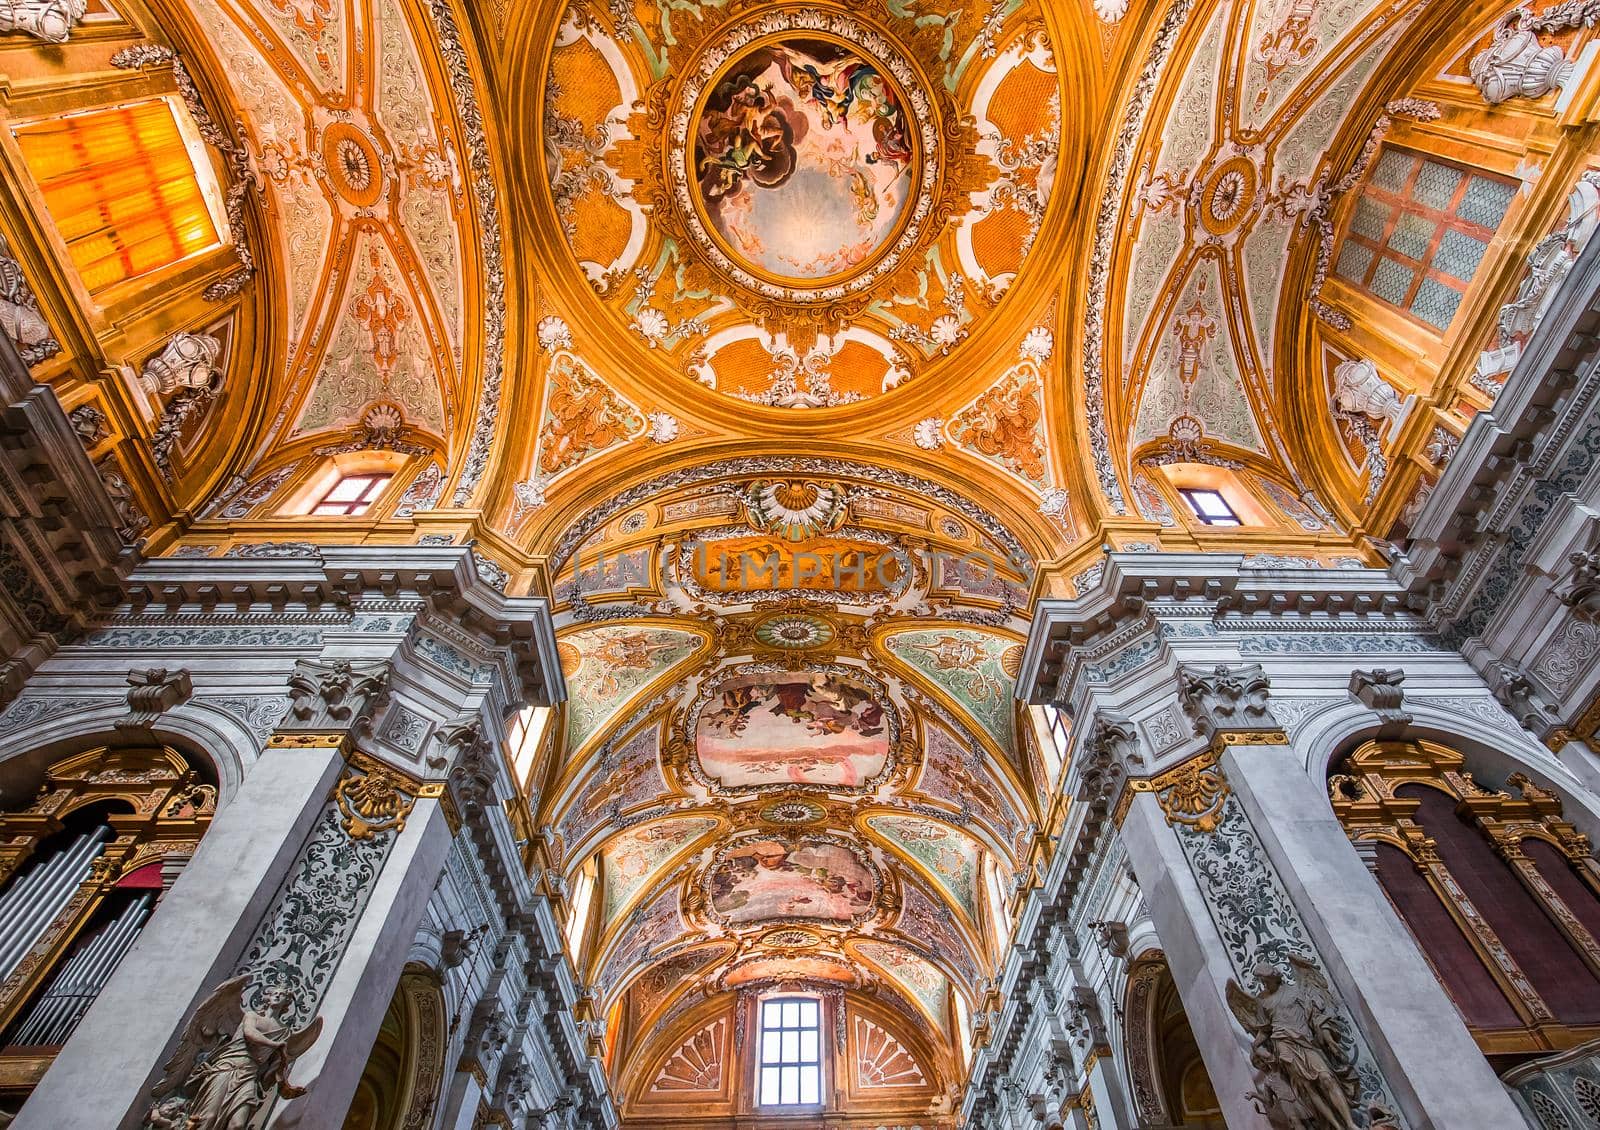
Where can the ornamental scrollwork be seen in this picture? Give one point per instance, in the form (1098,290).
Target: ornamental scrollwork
(1192,794)
(372,802)
(1259,925)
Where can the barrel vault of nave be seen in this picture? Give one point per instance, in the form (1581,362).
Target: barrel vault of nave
(752,502)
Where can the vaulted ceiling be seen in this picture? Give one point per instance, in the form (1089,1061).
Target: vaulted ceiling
(791,751)
(793,350)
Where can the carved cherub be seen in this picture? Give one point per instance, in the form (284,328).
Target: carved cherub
(1304,1080)
(231,1059)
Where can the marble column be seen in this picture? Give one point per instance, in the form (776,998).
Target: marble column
(1437,1073)
(461,1102)
(1105,1091)
(1196,955)
(102,1077)
(368,972)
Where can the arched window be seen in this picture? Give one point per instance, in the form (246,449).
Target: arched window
(81,870)
(1499,890)
(789,1074)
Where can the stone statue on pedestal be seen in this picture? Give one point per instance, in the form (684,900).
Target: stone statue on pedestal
(230,1060)
(1304,1078)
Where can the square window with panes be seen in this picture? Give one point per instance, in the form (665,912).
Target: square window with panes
(352,495)
(1210,507)
(1419,230)
(790,1072)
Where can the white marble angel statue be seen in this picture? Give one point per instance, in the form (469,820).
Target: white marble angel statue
(230,1060)
(1304,1080)
(49,20)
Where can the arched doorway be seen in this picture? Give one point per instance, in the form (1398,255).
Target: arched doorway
(1170,1085)
(400,1085)
(1499,890)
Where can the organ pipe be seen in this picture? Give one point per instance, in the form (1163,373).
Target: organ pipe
(37,905)
(57,1012)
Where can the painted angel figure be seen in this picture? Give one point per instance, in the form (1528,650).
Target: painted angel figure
(231,1059)
(1304,1079)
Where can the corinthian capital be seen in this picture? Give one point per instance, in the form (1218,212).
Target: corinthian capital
(337,695)
(1225,699)
(1111,747)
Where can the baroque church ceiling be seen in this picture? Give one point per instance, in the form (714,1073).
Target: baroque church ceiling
(791,744)
(792,350)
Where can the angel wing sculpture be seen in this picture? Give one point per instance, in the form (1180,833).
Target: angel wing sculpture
(1304,1078)
(230,1060)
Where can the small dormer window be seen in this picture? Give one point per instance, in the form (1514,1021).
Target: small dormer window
(1210,507)
(352,495)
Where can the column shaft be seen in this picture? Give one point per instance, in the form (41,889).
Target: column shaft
(1439,1076)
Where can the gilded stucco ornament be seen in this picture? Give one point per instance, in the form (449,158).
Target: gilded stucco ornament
(373,802)
(1190,794)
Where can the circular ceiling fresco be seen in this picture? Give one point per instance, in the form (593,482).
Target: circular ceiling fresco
(807,162)
(797,207)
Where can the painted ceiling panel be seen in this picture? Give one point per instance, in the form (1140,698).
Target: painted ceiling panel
(951,857)
(606,667)
(975,668)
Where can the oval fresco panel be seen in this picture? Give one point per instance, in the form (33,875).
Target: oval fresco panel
(804,158)
(803,727)
(766,880)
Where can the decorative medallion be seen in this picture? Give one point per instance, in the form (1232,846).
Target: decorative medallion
(802,204)
(1226,199)
(355,169)
(804,155)
(794,632)
(793,812)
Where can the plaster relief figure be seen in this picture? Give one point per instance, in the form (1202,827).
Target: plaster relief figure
(1358,389)
(231,1060)
(1304,1077)
(1514,65)
(189,361)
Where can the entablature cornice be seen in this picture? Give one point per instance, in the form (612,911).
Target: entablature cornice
(1173,595)
(439,584)
(1468,522)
